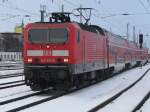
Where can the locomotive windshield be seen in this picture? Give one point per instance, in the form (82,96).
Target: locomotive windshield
(59,35)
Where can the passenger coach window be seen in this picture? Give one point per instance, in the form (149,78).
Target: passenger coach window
(78,36)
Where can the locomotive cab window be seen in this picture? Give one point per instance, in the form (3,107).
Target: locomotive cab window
(59,35)
(38,35)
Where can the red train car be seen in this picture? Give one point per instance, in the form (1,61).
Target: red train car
(65,54)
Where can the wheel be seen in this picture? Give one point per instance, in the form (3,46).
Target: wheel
(76,82)
(35,87)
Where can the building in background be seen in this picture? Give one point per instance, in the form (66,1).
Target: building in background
(11,46)
(19,28)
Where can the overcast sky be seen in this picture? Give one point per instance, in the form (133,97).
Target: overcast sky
(106,13)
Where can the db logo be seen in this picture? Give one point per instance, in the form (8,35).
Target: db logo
(47,53)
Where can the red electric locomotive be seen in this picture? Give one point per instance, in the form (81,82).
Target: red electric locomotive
(62,54)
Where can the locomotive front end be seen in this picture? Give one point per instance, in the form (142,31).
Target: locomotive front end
(47,55)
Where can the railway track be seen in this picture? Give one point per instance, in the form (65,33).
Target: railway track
(11,67)
(15,92)
(49,98)
(18,81)
(141,103)
(23,100)
(59,94)
(10,64)
(113,98)
(11,75)
(21,97)
(3,69)
(13,84)
(43,100)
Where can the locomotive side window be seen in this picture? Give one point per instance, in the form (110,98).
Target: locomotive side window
(78,36)
(59,35)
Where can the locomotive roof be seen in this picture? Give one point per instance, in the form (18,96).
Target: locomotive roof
(90,28)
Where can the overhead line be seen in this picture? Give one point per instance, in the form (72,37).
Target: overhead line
(148,2)
(146,9)
(124,14)
(100,3)
(103,7)
(116,26)
(95,15)
(19,9)
(13,16)
(71,3)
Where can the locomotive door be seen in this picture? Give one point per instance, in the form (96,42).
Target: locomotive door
(84,53)
(107,52)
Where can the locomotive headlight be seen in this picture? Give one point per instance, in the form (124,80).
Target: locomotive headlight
(66,60)
(29,60)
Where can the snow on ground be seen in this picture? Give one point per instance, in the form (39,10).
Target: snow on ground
(4,93)
(146,107)
(128,100)
(15,94)
(17,64)
(13,105)
(7,72)
(11,62)
(85,99)
(12,79)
